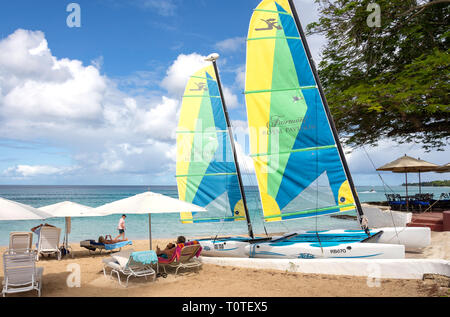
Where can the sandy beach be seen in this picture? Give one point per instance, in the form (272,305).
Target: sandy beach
(217,281)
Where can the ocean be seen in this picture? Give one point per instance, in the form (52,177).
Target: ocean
(167,225)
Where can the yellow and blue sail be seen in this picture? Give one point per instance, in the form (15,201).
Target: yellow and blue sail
(205,171)
(297,163)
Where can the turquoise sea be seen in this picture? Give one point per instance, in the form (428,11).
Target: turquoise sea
(166,225)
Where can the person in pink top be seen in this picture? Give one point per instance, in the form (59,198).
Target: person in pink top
(121,228)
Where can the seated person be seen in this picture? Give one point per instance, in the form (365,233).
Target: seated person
(105,240)
(37,230)
(167,253)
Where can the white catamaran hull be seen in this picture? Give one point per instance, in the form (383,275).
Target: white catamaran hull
(391,243)
(229,248)
(306,250)
(411,237)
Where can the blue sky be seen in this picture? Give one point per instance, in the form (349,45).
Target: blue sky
(97,104)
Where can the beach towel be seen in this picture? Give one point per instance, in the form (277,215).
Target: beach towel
(145,257)
(117,245)
(93,245)
(177,253)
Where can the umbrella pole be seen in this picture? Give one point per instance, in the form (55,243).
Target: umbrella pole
(66,239)
(407,200)
(150,230)
(420,189)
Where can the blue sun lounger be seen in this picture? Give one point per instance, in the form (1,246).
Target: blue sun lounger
(92,245)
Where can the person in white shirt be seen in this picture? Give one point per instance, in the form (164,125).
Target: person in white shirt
(121,228)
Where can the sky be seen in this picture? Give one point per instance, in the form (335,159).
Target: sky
(97,103)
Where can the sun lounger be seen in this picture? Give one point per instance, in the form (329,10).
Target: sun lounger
(130,263)
(20,241)
(48,242)
(183,257)
(92,245)
(20,273)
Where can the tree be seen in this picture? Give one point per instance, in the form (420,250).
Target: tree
(390,81)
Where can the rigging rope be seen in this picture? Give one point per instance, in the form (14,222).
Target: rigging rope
(384,188)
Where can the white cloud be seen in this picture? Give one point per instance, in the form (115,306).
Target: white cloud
(179,72)
(240,78)
(72,106)
(231,100)
(36,170)
(231,45)
(245,161)
(164,8)
(308,12)
(37,85)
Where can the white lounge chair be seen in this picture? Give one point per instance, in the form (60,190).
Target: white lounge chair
(123,262)
(20,241)
(21,274)
(49,242)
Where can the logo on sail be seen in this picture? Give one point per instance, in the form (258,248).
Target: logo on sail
(279,124)
(296,99)
(200,87)
(271,24)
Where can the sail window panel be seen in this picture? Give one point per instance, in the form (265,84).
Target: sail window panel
(310,183)
(220,195)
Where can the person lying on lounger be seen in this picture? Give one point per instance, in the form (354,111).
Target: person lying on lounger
(170,248)
(105,240)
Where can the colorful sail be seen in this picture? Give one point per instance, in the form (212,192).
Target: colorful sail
(206,171)
(297,163)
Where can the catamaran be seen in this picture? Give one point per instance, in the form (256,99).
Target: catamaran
(299,163)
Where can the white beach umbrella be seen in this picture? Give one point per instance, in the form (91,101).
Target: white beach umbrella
(12,210)
(148,203)
(67,210)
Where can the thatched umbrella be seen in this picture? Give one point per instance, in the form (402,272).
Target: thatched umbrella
(407,164)
(443,169)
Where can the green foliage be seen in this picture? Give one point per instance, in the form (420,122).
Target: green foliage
(444,183)
(390,81)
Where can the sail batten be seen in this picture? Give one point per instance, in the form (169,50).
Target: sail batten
(312,212)
(285,89)
(296,150)
(291,139)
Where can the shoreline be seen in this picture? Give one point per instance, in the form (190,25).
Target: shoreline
(218,281)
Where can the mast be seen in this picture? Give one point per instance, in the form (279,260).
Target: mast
(329,116)
(212,58)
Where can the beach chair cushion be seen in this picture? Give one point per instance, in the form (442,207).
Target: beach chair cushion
(111,262)
(122,257)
